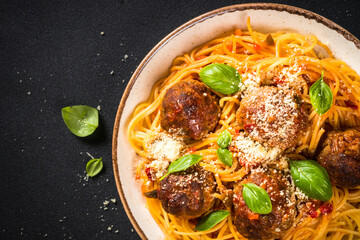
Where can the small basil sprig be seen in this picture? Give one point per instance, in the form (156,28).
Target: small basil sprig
(312,179)
(221,78)
(224,139)
(81,120)
(225,156)
(256,198)
(182,164)
(94,166)
(211,219)
(321,96)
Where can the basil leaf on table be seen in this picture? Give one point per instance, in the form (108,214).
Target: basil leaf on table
(321,96)
(211,219)
(94,166)
(312,179)
(221,78)
(81,120)
(224,139)
(182,164)
(225,156)
(256,198)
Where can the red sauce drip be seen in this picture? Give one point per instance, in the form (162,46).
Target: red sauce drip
(326,209)
(313,214)
(279,81)
(191,150)
(150,174)
(249,127)
(236,131)
(201,57)
(257,47)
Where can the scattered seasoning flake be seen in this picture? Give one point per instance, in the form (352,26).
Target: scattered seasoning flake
(113,200)
(98,107)
(109,228)
(106,202)
(112,72)
(28,93)
(126,56)
(89,156)
(116,231)
(102,33)
(132,230)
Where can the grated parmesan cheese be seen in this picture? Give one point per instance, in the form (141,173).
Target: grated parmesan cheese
(252,153)
(164,149)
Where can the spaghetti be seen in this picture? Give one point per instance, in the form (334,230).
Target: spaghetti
(289,56)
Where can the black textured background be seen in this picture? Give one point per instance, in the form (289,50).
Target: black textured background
(53,55)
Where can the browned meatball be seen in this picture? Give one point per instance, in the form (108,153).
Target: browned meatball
(341,157)
(188,194)
(282,216)
(189,108)
(273,116)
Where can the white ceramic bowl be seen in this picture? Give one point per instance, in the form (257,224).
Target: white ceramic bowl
(264,18)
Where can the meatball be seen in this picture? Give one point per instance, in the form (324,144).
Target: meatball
(340,157)
(188,194)
(282,216)
(190,109)
(273,116)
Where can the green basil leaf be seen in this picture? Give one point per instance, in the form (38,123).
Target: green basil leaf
(256,198)
(224,139)
(211,219)
(81,120)
(312,179)
(225,156)
(321,96)
(182,164)
(94,166)
(221,78)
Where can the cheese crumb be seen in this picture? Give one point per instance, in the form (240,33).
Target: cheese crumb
(164,149)
(252,153)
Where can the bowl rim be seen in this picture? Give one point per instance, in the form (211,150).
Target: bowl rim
(238,7)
